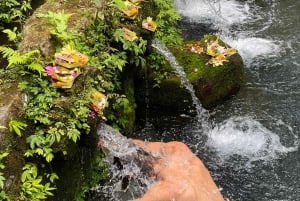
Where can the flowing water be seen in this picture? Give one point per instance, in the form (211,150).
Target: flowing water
(129,167)
(202,114)
(251,148)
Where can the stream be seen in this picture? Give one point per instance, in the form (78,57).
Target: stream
(251,148)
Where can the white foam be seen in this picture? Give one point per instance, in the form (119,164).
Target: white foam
(247,138)
(224,11)
(252,47)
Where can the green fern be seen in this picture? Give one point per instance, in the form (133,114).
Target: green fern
(29,59)
(7,52)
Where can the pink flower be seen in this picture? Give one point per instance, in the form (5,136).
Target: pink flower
(50,70)
(147,25)
(74,74)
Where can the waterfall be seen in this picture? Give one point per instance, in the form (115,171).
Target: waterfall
(202,113)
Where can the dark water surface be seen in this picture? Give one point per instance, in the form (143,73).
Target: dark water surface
(252,148)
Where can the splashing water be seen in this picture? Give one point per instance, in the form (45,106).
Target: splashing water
(129,166)
(253,47)
(225,12)
(247,138)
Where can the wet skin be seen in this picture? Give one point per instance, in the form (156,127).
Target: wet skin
(181,176)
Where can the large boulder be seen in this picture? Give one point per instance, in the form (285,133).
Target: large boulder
(214,81)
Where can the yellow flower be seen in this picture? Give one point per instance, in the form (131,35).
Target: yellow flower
(211,51)
(70,58)
(215,62)
(230,51)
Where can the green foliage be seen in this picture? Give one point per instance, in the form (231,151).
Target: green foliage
(13,11)
(166,19)
(23,62)
(12,34)
(59,21)
(120,4)
(136,47)
(2,166)
(166,33)
(3,195)
(33,186)
(16,126)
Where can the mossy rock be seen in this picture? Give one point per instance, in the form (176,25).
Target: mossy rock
(36,33)
(212,84)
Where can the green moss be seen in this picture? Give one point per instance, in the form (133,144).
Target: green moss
(212,84)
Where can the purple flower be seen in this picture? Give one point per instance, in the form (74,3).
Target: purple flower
(92,114)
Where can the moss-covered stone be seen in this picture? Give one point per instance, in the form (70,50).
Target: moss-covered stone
(36,33)
(212,84)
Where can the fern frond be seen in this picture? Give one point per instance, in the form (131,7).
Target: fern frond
(35,66)
(16,59)
(32,53)
(7,52)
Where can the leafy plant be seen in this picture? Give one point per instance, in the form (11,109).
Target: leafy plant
(12,34)
(2,166)
(59,115)
(3,195)
(33,186)
(16,126)
(23,62)
(13,11)
(166,19)
(59,21)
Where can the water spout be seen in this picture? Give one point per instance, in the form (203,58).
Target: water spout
(202,113)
